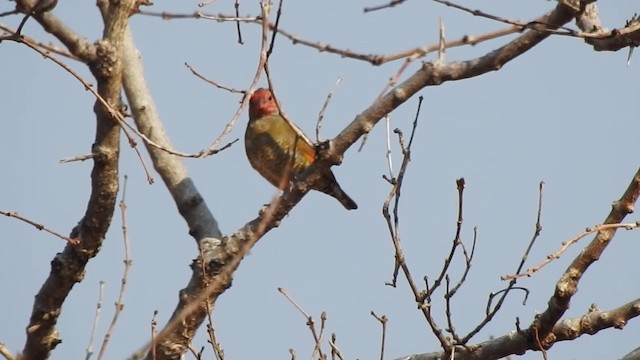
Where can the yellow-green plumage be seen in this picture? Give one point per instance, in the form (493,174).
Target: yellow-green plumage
(279,153)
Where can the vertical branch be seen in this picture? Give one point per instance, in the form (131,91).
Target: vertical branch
(67,267)
(393,227)
(324,108)
(387,123)
(96,320)
(383,322)
(237,8)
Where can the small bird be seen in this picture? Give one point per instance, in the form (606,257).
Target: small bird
(278,152)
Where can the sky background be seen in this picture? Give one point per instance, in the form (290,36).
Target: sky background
(561,113)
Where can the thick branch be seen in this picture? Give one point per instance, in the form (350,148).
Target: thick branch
(596,320)
(171,168)
(202,225)
(567,286)
(568,329)
(67,267)
(613,40)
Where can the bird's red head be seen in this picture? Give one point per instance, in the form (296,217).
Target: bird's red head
(262,104)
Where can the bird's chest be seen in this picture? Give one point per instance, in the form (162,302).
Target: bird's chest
(273,155)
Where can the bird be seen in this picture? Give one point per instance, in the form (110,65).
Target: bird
(279,152)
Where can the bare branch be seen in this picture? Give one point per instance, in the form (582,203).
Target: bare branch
(374,59)
(310,323)
(245,100)
(212,82)
(546,327)
(237,8)
(567,286)
(383,322)
(39,226)
(567,244)
(5,352)
(67,267)
(324,108)
(492,311)
(96,321)
(77,158)
(587,20)
(596,320)
(125,276)
(335,351)
(47,47)
(390,4)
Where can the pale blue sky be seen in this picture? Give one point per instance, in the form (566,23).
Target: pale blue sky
(561,113)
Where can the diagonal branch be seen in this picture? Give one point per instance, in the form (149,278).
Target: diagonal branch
(567,286)
(224,256)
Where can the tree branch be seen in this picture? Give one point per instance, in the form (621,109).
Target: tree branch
(567,286)
(224,256)
(67,267)
(568,329)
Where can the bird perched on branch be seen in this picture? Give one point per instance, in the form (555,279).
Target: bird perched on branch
(279,152)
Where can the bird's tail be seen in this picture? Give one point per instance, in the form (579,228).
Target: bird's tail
(332,188)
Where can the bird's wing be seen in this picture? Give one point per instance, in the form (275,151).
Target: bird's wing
(288,138)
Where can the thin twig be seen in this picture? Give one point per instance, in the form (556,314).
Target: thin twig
(391,4)
(567,244)
(215,344)
(125,276)
(96,320)
(284,293)
(237,8)
(468,259)
(492,311)
(13,214)
(387,122)
(441,41)
(457,241)
(310,323)
(448,313)
(324,108)
(196,354)
(265,7)
(206,3)
(274,31)
(393,227)
(48,47)
(116,115)
(537,231)
(77,158)
(374,59)
(533,25)
(213,82)
(393,80)
(335,350)
(383,322)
